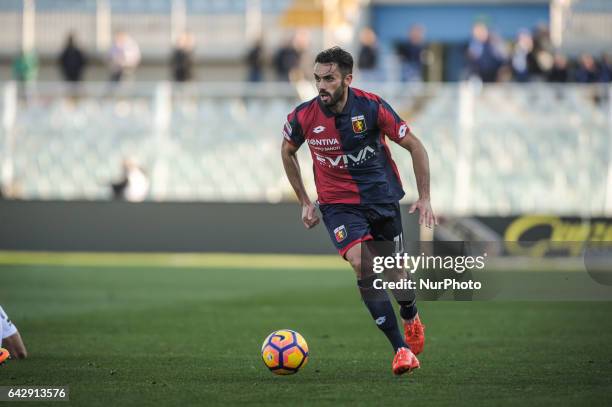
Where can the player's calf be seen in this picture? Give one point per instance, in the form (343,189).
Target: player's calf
(381,309)
(376,300)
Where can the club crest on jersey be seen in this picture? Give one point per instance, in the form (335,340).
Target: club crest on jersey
(359,124)
(340,233)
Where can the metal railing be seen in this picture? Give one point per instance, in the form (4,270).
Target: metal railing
(222,29)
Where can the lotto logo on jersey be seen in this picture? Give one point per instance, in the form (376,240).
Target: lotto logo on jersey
(287,130)
(359,124)
(340,233)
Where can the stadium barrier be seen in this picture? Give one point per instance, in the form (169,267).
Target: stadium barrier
(164,227)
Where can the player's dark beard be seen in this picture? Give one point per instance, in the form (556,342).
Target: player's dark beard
(335,97)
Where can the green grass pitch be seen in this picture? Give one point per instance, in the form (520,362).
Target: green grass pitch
(161,329)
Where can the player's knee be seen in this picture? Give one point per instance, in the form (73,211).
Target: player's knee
(353,256)
(355,263)
(357,266)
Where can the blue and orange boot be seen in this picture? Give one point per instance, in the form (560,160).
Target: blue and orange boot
(404,362)
(414,335)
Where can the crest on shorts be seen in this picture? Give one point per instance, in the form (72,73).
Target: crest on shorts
(359,124)
(340,233)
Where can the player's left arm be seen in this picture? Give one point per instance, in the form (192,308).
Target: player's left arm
(397,130)
(420,165)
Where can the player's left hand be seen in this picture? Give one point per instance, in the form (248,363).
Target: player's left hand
(426,214)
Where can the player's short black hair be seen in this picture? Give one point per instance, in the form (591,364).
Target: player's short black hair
(338,56)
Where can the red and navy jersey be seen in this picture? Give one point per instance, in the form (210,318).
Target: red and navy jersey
(351,159)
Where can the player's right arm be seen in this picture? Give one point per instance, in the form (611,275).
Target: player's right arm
(292,169)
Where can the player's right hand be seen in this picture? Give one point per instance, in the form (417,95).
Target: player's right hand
(309,216)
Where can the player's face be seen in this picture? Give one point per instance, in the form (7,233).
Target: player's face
(331,84)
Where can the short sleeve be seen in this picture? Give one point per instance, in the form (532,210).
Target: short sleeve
(390,123)
(7,328)
(292,130)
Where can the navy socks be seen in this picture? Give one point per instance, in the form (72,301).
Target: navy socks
(379,305)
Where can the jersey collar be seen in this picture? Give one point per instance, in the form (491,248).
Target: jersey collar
(347,106)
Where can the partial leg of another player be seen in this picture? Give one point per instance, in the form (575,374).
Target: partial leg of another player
(10,338)
(4,354)
(14,344)
(380,307)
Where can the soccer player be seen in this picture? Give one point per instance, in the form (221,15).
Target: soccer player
(358,185)
(10,337)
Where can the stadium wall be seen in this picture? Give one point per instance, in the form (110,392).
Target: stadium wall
(163,227)
(453,23)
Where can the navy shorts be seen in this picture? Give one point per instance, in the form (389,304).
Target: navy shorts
(349,224)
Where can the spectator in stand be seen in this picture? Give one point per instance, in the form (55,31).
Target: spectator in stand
(541,38)
(25,67)
(559,72)
(410,54)
(501,49)
(72,60)
(367,60)
(606,67)
(25,72)
(255,61)
(302,43)
(587,70)
(543,52)
(523,57)
(134,183)
(182,58)
(286,60)
(484,55)
(124,56)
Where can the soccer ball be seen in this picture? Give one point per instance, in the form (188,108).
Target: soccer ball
(284,352)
